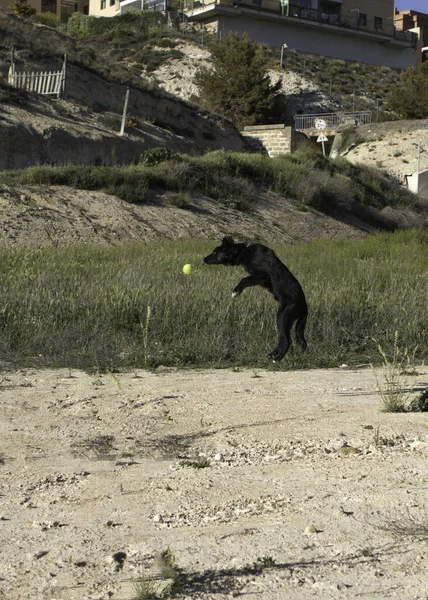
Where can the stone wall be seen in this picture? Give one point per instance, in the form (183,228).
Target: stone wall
(268,139)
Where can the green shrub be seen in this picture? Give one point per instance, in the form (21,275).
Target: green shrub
(155,156)
(50,19)
(21,9)
(410,100)
(237,84)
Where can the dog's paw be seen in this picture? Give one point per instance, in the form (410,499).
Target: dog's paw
(234,294)
(275,355)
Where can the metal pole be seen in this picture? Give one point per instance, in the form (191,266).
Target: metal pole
(419,156)
(12,60)
(125,108)
(323,148)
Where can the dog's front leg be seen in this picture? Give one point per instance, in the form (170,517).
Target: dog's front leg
(247,282)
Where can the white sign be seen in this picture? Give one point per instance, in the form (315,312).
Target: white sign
(320,124)
(322,138)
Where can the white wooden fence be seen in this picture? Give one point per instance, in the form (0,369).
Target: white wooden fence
(46,83)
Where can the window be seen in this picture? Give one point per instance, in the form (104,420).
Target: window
(112,2)
(378,22)
(103,4)
(362,19)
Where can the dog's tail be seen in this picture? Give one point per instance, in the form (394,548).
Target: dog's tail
(300,331)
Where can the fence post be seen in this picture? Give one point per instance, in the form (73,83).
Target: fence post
(61,87)
(125,108)
(12,61)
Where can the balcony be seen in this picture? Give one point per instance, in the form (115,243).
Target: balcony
(386,32)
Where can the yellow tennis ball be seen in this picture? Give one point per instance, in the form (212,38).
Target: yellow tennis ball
(187,269)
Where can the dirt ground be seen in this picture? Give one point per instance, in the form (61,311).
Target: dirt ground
(264,484)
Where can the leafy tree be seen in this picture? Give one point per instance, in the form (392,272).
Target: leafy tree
(21,9)
(237,84)
(410,100)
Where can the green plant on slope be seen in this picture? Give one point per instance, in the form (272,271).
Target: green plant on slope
(21,9)
(238,85)
(410,100)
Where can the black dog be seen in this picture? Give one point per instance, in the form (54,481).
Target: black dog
(265,269)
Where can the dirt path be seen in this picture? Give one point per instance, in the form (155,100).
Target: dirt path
(93,466)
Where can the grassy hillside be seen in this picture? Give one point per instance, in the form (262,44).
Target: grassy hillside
(97,79)
(335,187)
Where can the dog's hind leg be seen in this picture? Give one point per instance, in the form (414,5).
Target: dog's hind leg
(285,318)
(300,332)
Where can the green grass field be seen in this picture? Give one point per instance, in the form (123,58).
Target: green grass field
(131,306)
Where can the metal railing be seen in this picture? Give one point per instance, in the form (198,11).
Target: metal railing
(331,120)
(295,11)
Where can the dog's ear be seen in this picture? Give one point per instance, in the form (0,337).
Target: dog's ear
(228,240)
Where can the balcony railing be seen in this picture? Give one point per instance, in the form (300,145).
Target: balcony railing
(295,11)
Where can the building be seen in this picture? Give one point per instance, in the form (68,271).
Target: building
(62,8)
(368,31)
(354,30)
(110,8)
(412,20)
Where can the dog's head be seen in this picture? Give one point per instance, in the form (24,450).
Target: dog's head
(226,254)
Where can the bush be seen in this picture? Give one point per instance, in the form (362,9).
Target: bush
(50,19)
(21,9)
(155,156)
(410,100)
(238,84)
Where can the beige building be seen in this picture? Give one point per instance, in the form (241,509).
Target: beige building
(354,30)
(412,20)
(62,8)
(105,8)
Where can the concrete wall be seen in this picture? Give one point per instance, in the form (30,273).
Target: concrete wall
(418,183)
(332,42)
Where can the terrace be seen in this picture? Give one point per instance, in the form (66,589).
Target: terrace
(199,10)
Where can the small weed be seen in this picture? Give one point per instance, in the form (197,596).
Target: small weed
(169,570)
(146,335)
(410,523)
(420,403)
(394,391)
(145,588)
(100,447)
(265,562)
(132,122)
(200,462)
(178,199)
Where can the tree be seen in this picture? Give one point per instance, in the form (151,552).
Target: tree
(21,9)
(237,84)
(410,100)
